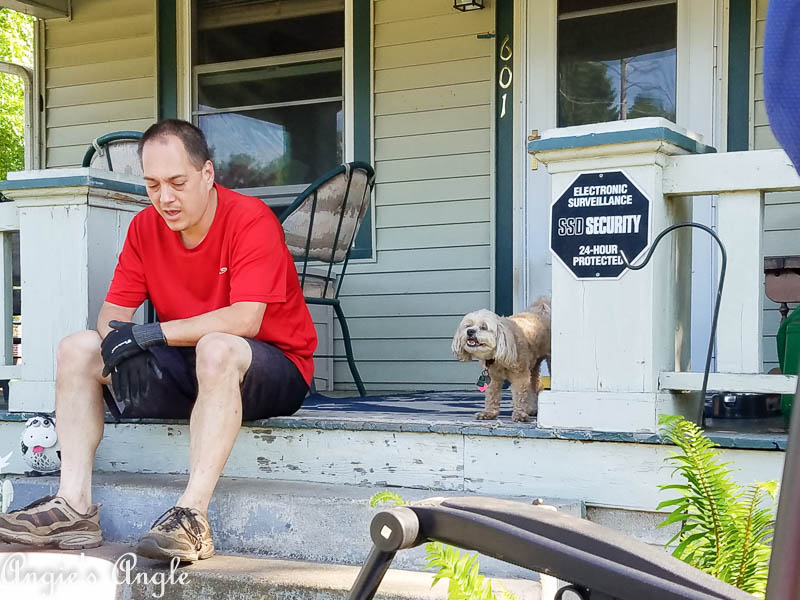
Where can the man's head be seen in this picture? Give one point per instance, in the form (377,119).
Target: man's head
(179,176)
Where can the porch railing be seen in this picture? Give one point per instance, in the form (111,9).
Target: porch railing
(739,180)
(72,224)
(9,223)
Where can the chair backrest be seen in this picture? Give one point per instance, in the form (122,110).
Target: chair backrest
(116,152)
(321,224)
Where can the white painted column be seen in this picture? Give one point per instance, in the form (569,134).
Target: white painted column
(9,223)
(612,338)
(7,300)
(740,217)
(72,227)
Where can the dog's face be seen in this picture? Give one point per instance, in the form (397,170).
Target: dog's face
(483,335)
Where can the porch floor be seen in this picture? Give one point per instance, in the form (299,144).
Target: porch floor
(453,412)
(450,412)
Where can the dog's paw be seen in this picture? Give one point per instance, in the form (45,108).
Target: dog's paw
(520,416)
(486,416)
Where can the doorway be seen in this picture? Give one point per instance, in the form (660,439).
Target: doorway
(592,61)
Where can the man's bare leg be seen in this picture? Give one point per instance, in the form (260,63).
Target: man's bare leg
(222,361)
(68,521)
(79,414)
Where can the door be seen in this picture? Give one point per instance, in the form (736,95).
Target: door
(591,61)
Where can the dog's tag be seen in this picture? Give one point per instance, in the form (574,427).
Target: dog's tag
(483,381)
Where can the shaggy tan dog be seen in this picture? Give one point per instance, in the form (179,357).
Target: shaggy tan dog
(511,348)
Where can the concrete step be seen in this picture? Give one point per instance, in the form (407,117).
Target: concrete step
(271,519)
(38,575)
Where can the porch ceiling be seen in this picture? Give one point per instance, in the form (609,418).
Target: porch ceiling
(42,9)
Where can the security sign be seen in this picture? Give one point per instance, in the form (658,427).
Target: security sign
(597,216)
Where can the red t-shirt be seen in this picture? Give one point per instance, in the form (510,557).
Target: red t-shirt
(243,258)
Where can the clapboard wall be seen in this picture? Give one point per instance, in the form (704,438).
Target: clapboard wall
(432,94)
(432,130)
(782,210)
(99,75)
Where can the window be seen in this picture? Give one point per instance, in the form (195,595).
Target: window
(268,92)
(616,60)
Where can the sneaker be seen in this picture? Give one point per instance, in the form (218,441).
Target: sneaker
(52,523)
(180,532)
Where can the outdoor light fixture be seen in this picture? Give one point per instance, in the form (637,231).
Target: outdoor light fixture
(465,5)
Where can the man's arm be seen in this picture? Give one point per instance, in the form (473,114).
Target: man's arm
(241,318)
(112,312)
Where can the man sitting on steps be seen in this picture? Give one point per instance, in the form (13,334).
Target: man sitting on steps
(235,342)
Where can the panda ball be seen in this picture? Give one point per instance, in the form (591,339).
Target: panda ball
(39,445)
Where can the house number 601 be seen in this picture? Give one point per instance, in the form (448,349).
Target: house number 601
(505,76)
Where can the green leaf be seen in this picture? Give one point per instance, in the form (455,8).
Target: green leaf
(674,518)
(667,420)
(673,502)
(674,486)
(386,497)
(681,548)
(771,487)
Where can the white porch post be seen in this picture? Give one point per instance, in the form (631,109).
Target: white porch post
(7,301)
(612,338)
(72,224)
(740,222)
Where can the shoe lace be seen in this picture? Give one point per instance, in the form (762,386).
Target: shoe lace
(177,516)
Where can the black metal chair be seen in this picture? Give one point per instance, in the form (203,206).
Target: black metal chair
(115,151)
(320,226)
(601,563)
(118,152)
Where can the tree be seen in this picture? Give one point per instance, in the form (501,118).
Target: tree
(646,79)
(585,94)
(243,171)
(16,46)
(648,106)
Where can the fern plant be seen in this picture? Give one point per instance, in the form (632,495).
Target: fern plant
(725,530)
(462,570)
(466,582)
(386,497)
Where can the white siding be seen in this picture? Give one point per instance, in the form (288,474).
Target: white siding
(782,210)
(100,75)
(433,200)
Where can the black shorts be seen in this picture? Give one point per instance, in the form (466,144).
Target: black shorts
(272,386)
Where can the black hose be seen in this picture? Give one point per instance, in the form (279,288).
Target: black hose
(723,267)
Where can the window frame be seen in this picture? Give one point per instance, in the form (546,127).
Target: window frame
(622,6)
(358,142)
(279,194)
(267,61)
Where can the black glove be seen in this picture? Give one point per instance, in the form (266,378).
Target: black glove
(128,339)
(130,382)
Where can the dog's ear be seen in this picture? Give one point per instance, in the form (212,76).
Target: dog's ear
(457,346)
(505,351)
